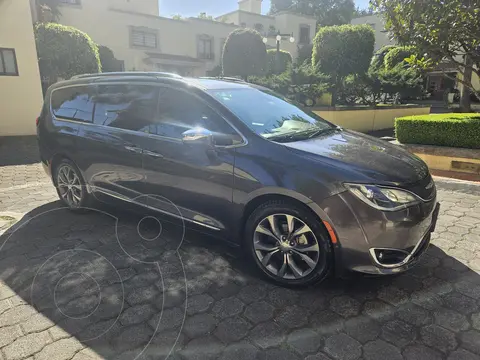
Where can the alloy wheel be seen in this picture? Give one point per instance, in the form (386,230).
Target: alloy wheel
(69,186)
(286,246)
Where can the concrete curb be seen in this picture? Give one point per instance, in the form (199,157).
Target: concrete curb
(467,187)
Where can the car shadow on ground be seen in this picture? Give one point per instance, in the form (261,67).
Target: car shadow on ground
(128,286)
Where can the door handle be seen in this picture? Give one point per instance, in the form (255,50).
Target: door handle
(134,149)
(153,154)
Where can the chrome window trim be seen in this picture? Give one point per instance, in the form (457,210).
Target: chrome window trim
(245,141)
(100,82)
(124,198)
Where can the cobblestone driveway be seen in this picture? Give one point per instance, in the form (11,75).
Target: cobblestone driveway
(103,285)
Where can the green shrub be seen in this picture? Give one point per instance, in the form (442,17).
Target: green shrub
(378,59)
(244,54)
(339,51)
(108,60)
(397,55)
(456,130)
(278,83)
(64,51)
(285,60)
(305,54)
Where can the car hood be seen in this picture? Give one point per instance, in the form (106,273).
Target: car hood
(364,157)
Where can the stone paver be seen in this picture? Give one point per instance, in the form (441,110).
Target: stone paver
(71,289)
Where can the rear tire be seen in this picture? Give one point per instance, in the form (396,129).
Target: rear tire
(71,187)
(288,244)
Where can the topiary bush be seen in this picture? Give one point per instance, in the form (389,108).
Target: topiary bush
(378,59)
(339,51)
(108,60)
(304,54)
(244,54)
(285,61)
(397,55)
(455,130)
(64,51)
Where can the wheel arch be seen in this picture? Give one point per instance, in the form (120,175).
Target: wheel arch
(54,161)
(257,198)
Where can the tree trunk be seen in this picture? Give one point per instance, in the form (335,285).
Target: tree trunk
(465,103)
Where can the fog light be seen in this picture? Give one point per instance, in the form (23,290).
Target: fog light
(389,257)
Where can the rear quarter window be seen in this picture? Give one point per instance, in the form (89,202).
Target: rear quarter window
(73,103)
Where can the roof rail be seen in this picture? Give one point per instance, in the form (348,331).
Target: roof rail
(128,73)
(224,78)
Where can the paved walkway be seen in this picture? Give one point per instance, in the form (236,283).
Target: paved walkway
(110,284)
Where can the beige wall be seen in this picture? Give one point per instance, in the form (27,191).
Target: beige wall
(230,18)
(141,6)
(369,120)
(250,19)
(381,38)
(175,37)
(109,23)
(20,96)
(290,23)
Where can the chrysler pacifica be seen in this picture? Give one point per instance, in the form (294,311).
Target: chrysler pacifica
(303,197)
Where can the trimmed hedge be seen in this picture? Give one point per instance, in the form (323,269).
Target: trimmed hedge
(64,51)
(397,55)
(455,130)
(285,60)
(244,54)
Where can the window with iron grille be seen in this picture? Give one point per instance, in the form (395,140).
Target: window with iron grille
(205,47)
(144,38)
(259,28)
(8,62)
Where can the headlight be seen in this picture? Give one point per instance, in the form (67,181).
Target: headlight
(383,198)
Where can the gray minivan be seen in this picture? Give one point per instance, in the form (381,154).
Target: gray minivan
(302,196)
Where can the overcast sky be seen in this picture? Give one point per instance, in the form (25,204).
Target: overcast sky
(212,7)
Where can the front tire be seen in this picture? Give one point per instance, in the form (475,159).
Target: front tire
(288,244)
(71,188)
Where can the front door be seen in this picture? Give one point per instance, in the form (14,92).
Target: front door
(111,147)
(188,181)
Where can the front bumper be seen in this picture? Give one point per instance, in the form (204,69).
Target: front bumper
(366,234)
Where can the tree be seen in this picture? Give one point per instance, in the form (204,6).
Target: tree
(327,12)
(244,54)
(285,59)
(339,51)
(108,60)
(64,51)
(362,12)
(445,31)
(280,5)
(177,17)
(203,15)
(47,10)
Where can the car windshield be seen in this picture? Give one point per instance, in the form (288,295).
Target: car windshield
(271,115)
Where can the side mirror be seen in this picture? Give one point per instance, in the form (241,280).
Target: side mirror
(198,137)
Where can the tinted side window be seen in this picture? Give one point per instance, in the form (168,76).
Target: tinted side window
(74,103)
(130,107)
(180,111)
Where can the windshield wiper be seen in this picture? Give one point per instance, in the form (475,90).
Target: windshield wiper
(308,134)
